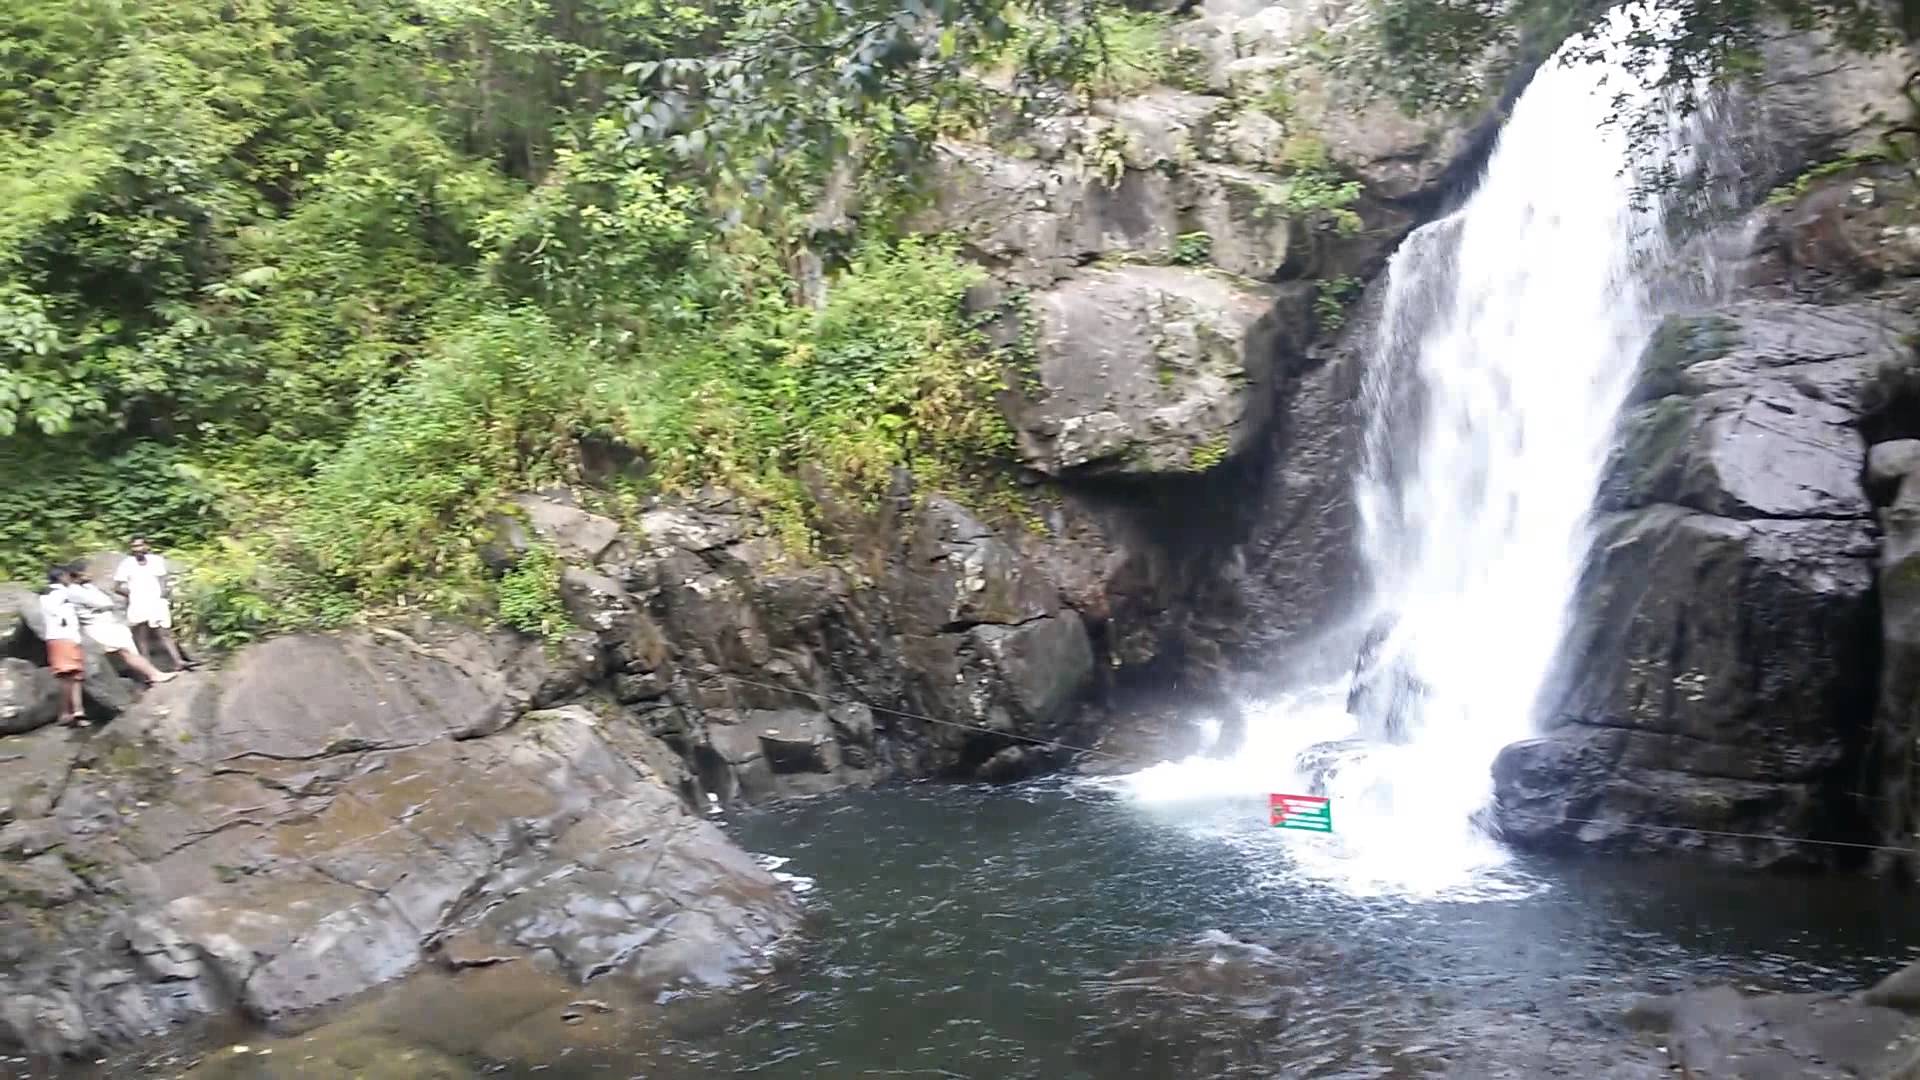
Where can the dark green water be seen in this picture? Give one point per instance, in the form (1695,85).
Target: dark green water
(1062,931)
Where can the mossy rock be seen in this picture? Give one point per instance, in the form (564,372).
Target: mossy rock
(1681,342)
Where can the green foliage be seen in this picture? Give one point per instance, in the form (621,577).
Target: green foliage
(497,402)
(1801,184)
(888,373)
(530,595)
(1192,249)
(1276,101)
(1314,187)
(333,277)
(1316,193)
(1208,455)
(1135,51)
(1330,299)
(1433,55)
(774,91)
(54,505)
(227,598)
(1103,154)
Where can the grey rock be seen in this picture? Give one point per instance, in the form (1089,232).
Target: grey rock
(1713,681)
(306,697)
(1888,466)
(1723,1034)
(1291,571)
(1258,53)
(1897,712)
(994,681)
(1144,370)
(35,771)
(1900,990)
(1814,102)
(1161,126)
(29,697)
(42,881)
(106,692)
(325,814)
(1754,411)
(51,1024)
(19,617)
(597,602)
(956,573)
(690,530)
(1035,221)
(794,741)
(578,536)
(25,839)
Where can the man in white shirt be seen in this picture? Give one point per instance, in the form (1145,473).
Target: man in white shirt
(60,629)
(142,579)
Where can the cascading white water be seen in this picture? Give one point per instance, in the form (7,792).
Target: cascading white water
(1508,341)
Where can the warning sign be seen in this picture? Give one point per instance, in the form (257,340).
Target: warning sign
(1309,812)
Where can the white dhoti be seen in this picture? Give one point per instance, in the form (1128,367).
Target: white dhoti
(111,634)
(152,611)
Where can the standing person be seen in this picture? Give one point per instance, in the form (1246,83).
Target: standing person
(103,625)
(60,629)
(142,579)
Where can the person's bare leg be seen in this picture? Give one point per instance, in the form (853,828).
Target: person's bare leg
(145,639)
(173,647)
(141,668)
(140,648)
(72,706)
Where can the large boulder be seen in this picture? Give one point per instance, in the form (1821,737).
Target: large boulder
(326,815)
(1719,679)
(774,676)
(1724,1033)
(991,654)
(1812,101)
(1146,370)
(29,696)
(1032,221)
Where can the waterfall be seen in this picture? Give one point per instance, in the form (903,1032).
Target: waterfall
(1508,342)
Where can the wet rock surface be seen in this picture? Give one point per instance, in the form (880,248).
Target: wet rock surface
(1722,1033)
(772,676)
(327,814)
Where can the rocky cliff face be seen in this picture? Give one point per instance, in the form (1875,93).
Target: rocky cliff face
(1192,400)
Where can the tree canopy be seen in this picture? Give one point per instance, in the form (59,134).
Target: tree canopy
(326,277)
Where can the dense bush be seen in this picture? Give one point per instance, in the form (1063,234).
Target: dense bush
(302,290)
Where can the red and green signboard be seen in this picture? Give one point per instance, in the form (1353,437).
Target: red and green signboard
(1310,813)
